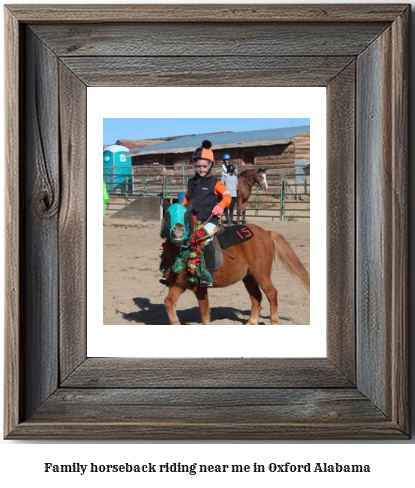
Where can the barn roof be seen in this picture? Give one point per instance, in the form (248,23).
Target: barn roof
(114,148)
(222,140)
(137,143)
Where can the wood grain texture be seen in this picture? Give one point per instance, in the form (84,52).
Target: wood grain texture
(209,39)
(72,222)
(382,222)
(400,232)
(40,206)
(373,224)
(212,405)
(193,13)
(341,235)
(203,71)
(206,373)
(213,431)
(13,383)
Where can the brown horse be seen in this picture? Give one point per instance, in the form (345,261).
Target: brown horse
(246,180)
(252,264)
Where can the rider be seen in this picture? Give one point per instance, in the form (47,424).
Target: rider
(231,182)
(225,161)
(208,196)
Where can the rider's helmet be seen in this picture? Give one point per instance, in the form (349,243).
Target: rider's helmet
(204,152)
(231,168)
(226,157)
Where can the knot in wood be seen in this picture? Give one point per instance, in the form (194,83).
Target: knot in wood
(46,206)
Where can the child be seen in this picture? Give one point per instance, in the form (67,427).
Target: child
(231,182)
(225,161)
(208,196)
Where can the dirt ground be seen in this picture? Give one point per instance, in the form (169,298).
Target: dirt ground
(133,294)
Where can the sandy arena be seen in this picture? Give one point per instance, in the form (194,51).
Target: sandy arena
(133,294)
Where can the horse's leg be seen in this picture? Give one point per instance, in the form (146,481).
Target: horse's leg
(271,292)
(170,303)
(243,212)
(203,299)
(238,209)
(256,297)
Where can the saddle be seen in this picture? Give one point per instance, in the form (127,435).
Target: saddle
(228,237)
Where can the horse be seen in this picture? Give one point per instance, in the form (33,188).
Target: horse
(250,261)
(246,180)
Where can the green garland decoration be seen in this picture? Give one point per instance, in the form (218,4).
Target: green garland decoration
(180,261)
(193,257)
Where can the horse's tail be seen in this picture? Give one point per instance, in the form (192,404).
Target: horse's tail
(287,257)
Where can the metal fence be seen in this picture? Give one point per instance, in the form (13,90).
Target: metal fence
(287,197)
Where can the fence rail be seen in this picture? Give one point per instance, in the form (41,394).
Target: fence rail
(287,194)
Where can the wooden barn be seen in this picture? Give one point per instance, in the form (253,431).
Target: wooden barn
(259,147)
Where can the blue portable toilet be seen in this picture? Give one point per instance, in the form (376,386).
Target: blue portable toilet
(117,168)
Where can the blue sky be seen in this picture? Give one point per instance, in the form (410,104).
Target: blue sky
(115,129)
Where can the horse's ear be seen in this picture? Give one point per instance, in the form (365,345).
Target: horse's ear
(165,204)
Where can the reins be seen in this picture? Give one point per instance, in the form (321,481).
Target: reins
(218,226)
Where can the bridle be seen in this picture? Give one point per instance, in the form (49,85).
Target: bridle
(195,237)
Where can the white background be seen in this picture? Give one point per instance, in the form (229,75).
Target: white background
(21,463)
(307,340)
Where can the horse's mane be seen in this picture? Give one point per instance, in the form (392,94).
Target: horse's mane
(253,170)
(246,171)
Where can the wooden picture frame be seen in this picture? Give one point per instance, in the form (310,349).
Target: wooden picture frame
(360,53)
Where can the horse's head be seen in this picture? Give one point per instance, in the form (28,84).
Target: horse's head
(261,178)
(177,224)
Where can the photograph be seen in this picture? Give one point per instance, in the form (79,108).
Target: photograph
(215,225)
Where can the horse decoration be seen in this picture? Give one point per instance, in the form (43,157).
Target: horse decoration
(246,180)
(249,260)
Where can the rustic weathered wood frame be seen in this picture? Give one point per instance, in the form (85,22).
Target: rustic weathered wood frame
(359,52)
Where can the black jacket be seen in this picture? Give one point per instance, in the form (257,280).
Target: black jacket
(202,197)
